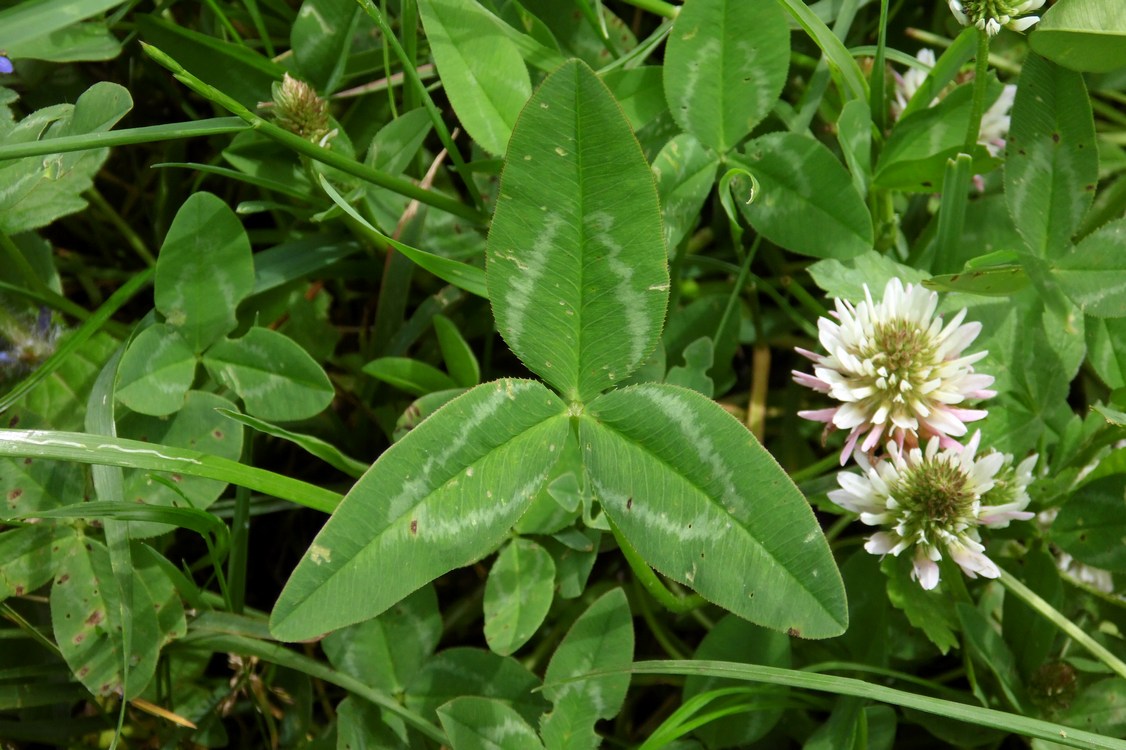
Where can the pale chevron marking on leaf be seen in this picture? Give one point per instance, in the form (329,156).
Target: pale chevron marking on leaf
(519,294)
(700,528)
(435,528)
(412,489)
(681,414)
(632,302)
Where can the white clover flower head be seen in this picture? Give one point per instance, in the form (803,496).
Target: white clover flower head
(930,500)
(907,83)
(995,121)
(991,15)
(898,372)
(1008,499)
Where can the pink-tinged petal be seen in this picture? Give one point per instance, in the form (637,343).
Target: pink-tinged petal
(818,415)
(873,438)
(816,358)
(850,445)
(809,381)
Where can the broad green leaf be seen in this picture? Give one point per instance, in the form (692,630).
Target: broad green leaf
(705,504)
(985,645)
(685,173)
(156,371)
(518,594)
(77,43)
(275,377)
(312,444)
(36,190)
(1091,525)
(573,566)
(460,360)
(806,200)
(1093,273)
(458,672)
(854,133)
(725,64)
(639,91)
(847,279)
(698,359)
(197,425)
(1085,35)
(410,375)
(915,155)
(482,71)
(474,723)
(734,639)
(420,409)
(1101,708)
(1051,164)
(321,38)
(397,142)
(930,611)
(360,725)
(29,556)
(87,620)
(204,271)
(27,22)
(1032,635)
(161,591)
(27,486)
(577,269)
(1106,349)
(440,498)
(995,281)
(602,638)
(388,651)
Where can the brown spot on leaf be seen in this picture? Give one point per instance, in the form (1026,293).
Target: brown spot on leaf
(629,504)
(414,525)
(177,478)
(18,590)
(79,638)
(95,617)
(1055,137)
(14,494)
(83,672)
(793,633)
(62,579)
(15,420)
(217,434)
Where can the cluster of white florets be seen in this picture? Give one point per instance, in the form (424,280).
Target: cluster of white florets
(902,378)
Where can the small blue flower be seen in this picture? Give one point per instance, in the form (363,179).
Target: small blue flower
(5,65)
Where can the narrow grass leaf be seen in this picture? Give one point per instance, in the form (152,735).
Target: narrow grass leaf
(137,454)
(577,268)
(705,504)
(440,498)
(311,444)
